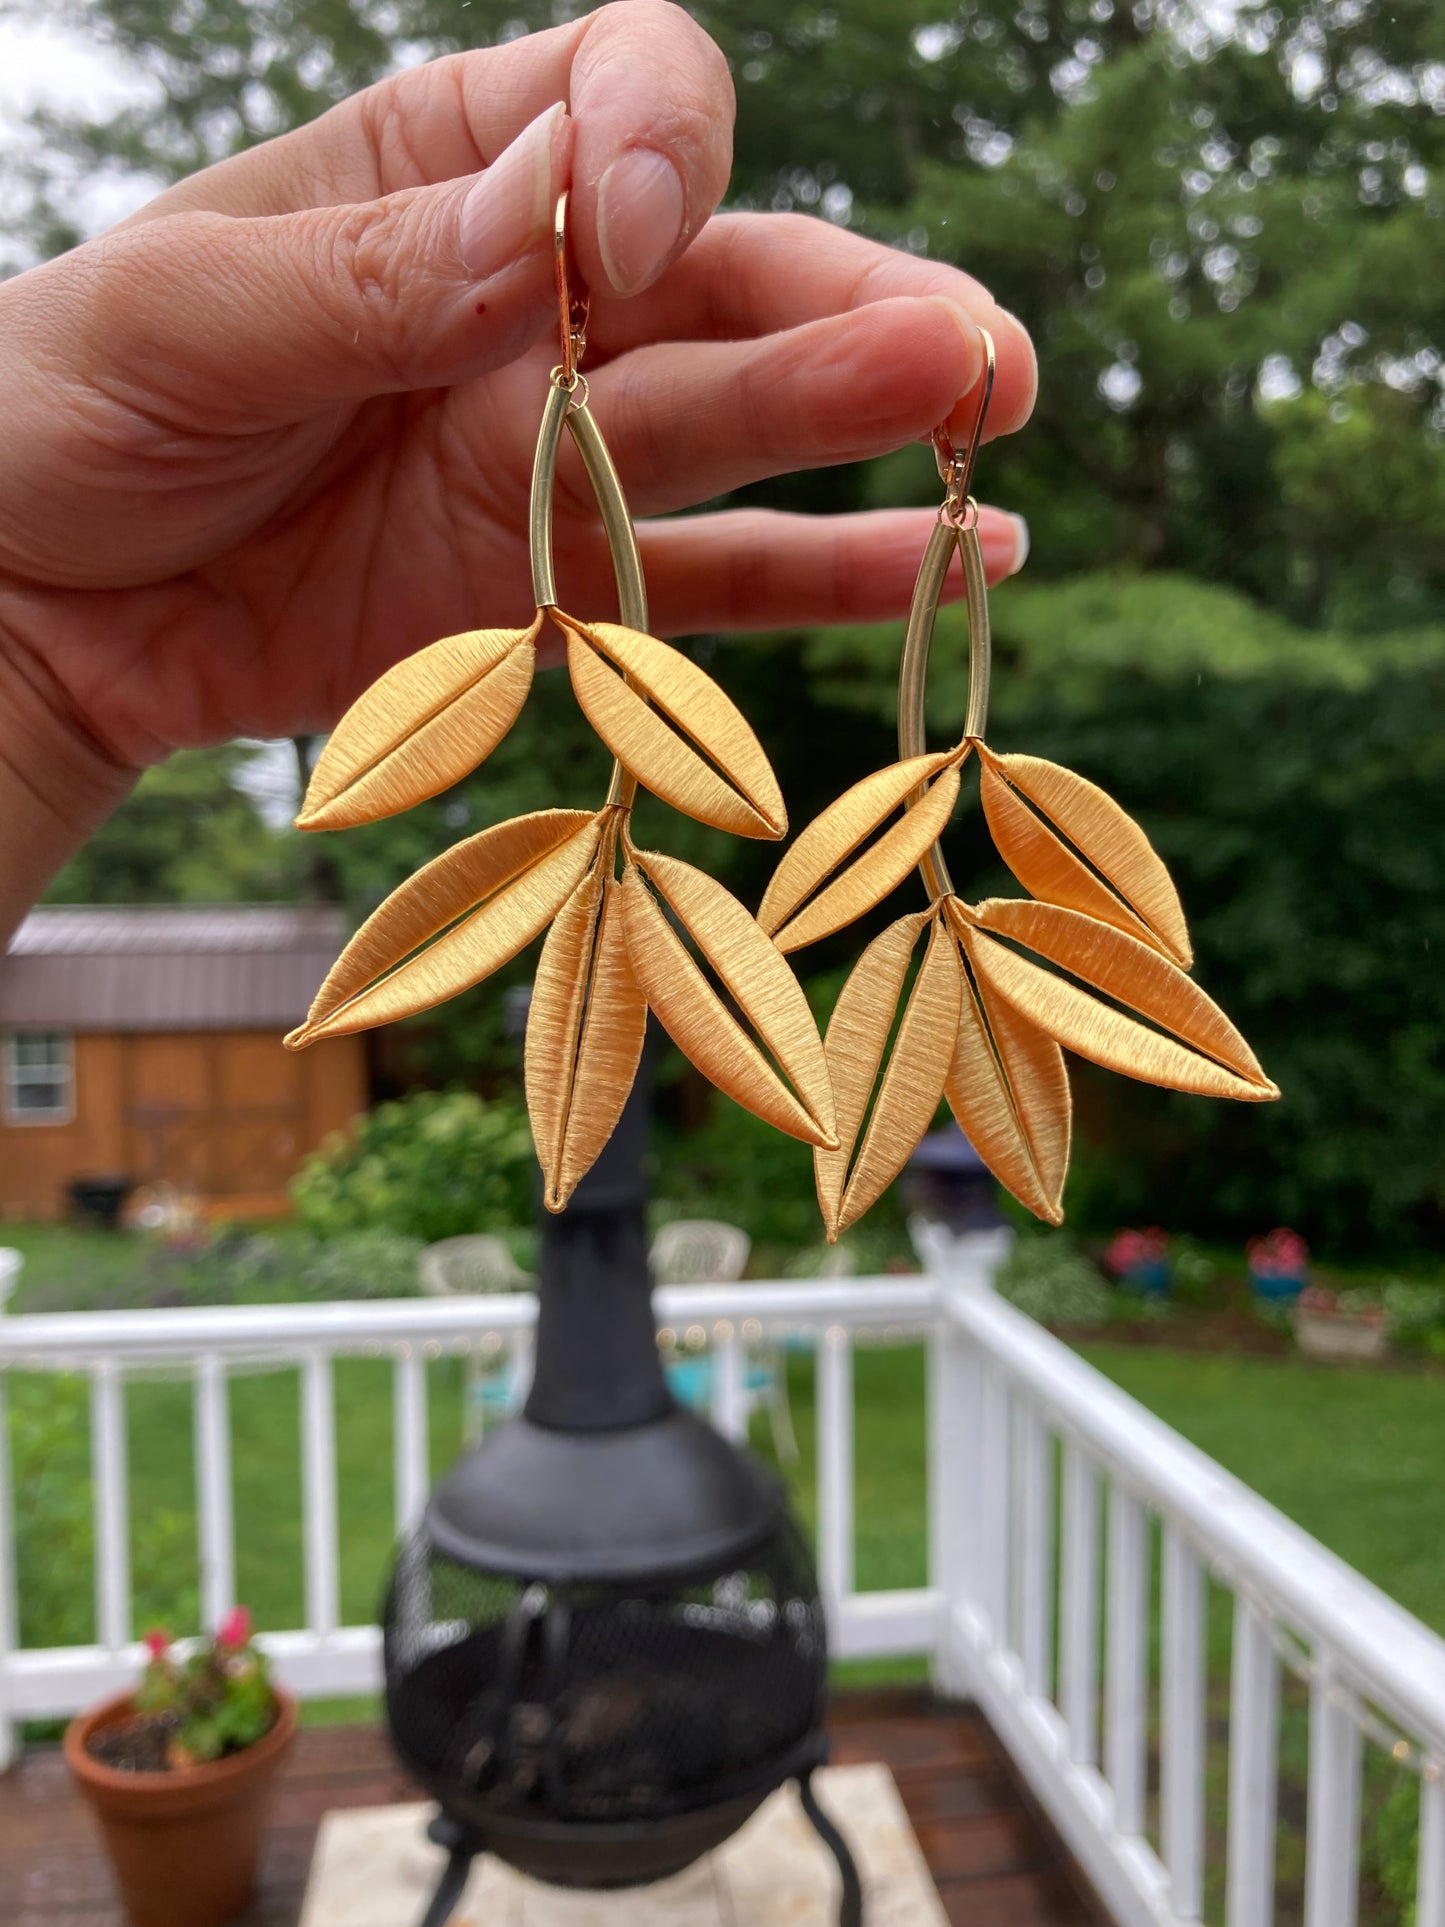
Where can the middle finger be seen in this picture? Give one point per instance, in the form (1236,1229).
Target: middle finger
(687,422)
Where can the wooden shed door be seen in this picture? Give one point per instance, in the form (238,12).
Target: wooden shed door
(220,1114)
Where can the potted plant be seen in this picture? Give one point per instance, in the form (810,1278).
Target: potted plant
(1279,1263)
(1339,1325)
(1140,1260)
(178,1773)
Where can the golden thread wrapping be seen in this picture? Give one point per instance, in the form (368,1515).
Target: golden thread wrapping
(1008,1087)
(1142,901)
(856,1038)
(585,1032)
(913,1080)
(879,870)
(421,727)
(740,794)
(693,1015)
(479,904)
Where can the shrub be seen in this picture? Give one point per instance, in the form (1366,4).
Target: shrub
(436,1164)
(1047,1277)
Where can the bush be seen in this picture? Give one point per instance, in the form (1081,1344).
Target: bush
(1048,1278)
(437,1164)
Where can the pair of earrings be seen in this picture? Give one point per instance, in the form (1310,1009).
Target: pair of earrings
(982,1024)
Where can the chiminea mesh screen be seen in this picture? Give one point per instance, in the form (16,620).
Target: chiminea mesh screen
(623,1701)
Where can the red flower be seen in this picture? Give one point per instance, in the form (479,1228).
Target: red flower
(1283,1254)
(157,1642)
(1132,1250)
(234,1630)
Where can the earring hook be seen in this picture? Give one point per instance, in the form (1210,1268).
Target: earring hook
(571,308)
(955,467)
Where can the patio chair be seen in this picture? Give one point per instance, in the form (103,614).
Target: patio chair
(705,1251)
(479,1263)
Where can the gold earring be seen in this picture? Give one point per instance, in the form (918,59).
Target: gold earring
(983,1025)
(611,951)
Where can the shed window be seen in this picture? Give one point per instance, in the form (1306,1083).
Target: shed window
(39,1077)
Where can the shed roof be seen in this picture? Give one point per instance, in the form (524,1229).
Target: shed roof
(168,968)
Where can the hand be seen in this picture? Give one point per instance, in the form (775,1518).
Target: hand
(276,430)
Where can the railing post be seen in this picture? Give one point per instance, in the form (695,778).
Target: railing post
(1036,1552)
(835,1468)
(215,1528)
(1253,1769)
(9,1614)
(318,1493)
(729,1385)
(1183,1663)
(110,1483)
(1332,1829)
(410,1456)
(994,1538)
(1430,1885)
(1079,1605)
(1126,1661)
(952,1406)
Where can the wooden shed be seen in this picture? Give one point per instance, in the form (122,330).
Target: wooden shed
(146,1042)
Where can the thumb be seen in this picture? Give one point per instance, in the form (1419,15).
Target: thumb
(248,323)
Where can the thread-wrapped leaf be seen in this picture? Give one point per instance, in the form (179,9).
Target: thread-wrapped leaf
(461,917)
(692,746)
(755,976)
(1127,885)
(854,1176)
(832,837)
(585,1031)
(1204,1052)
(421,727)
(1008,1086)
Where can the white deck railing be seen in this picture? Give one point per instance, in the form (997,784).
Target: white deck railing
(1046,1487)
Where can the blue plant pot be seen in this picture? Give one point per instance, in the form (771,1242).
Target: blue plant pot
(1152,1279)
(1278,1290)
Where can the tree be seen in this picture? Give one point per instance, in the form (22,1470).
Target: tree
(186,834)
(1225,232)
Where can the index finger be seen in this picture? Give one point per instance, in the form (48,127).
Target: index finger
(641,80)
(748,275)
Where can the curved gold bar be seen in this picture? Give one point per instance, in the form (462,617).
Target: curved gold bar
(563,406)
(544,476)
(913,679)
(913,664)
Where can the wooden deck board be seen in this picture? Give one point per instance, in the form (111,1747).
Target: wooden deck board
(995,1863)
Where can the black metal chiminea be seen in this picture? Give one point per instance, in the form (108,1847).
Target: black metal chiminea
(604,1644)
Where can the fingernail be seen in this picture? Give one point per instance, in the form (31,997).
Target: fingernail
(1028,344)
(1021,543)
(509,208)
(972,341)
(639,217)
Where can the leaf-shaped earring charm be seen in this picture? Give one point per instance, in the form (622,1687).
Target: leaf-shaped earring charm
(421,727)
(611,951)
(984,1025)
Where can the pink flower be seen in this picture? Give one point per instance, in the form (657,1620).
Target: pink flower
(1132,1250)
(1282,1254)
(157,1642)
(235,1629)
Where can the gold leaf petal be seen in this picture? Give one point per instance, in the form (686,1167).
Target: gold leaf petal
(881,868)
(1008,1086)
(504,884)
(1105,834)
(838,830)
(857,1036)
(913,1082)
(585,1031)
(1123,968)
(757,977)
(743,798)
(421,727)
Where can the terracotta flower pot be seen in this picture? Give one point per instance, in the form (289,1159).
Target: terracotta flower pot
(183,1845)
